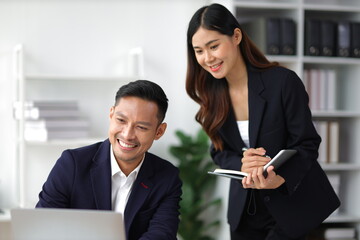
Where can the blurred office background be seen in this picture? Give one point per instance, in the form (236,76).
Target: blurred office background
(84,50)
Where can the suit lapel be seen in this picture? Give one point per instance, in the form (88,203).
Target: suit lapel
(100,175)
(140,190)
(256,105)
(231,133)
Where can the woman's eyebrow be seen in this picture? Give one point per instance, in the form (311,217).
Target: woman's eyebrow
(208,43)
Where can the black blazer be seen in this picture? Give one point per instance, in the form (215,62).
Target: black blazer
(81,179)
(279,118)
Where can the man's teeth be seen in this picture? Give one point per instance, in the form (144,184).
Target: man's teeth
(126,145)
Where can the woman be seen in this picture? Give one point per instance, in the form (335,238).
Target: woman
(247,101)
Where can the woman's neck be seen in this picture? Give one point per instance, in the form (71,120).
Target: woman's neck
(237,78)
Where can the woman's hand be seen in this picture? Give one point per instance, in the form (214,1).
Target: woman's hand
(253,158)
(256,179)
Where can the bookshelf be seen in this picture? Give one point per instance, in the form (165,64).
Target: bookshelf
(94,96)
(347,69)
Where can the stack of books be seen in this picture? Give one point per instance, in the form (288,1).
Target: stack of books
(49,120)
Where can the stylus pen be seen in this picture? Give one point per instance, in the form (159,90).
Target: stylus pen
(245,148)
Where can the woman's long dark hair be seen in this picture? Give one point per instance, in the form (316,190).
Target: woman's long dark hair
(212,94)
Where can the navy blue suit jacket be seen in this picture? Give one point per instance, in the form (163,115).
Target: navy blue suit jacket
(279,118)
(81,179)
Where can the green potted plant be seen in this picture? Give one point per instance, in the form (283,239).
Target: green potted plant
(194,162)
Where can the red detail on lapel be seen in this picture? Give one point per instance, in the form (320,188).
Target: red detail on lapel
(144,186)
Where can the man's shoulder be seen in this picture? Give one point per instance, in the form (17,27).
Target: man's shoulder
(87,153)
(159,162)
(90,148)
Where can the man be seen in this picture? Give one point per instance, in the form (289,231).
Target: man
(119,174)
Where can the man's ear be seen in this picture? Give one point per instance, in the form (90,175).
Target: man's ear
(160,130)
(112,110)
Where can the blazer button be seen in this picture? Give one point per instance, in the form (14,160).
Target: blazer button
(267,199)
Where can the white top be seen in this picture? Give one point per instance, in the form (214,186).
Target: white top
(244,131)
(121,184)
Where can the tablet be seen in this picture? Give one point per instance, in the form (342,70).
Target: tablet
(279,159)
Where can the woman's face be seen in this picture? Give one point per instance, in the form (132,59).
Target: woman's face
(217,53)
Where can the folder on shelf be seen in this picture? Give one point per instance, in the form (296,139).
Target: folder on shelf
(355,39)
(327,38)
(257,31)
(331,89)
(306,82)
(273,36)
(322,129)
(314,88)
(265,32)
(343,39)
(321,85)
(287,37)
(334,141)
(323,89)
(312,37)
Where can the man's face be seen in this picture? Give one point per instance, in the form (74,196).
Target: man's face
(133,128)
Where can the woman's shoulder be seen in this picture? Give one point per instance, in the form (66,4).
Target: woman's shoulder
(279,74)
(279,77)
(272,71)
(278,70)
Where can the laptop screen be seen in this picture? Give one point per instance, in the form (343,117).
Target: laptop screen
(64,224)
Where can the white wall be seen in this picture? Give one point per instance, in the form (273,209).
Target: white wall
(91,37)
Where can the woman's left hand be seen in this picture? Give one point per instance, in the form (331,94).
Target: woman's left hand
(256,179)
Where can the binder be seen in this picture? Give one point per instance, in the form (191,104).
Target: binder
(312,37)
(287,37)
(332,87)
(334,141)
(343,39)
(327,38)
(265,33)
(322,129)
(256,30)
(355,39)
(273,36)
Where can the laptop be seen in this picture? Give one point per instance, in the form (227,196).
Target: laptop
(66,224)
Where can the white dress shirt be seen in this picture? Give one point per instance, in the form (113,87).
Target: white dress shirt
(121,184)
(244,131)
